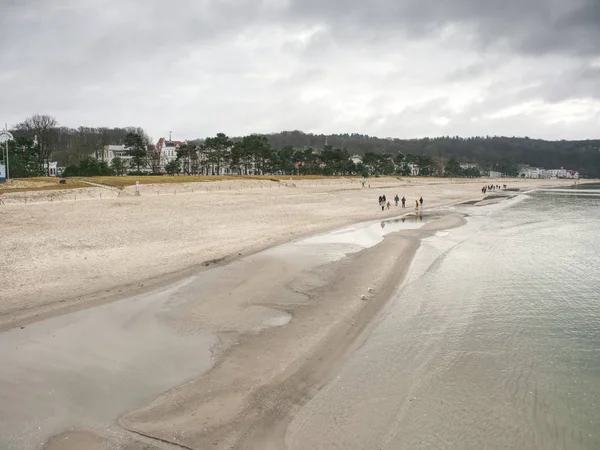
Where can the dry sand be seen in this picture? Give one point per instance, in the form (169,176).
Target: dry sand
(65,254)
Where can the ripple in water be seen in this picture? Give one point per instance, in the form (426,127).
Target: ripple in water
(493,341)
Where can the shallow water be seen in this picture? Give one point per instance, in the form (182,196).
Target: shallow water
(493,341)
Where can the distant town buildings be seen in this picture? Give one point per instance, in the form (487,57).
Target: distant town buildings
(537,172)
(203,160)
(466,166)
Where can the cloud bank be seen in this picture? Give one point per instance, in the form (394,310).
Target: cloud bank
(398,68)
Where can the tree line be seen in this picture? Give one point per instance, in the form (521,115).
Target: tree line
(39,139)
(504,154)
(254,155)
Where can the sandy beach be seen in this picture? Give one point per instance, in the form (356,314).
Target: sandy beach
(229,340)
(72,253)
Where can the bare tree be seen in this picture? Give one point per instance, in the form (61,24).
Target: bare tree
(43,127)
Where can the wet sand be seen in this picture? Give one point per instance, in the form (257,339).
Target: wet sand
(86,368)
(275,324)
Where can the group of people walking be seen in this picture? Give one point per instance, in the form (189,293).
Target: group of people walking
(492,187)
(383,202)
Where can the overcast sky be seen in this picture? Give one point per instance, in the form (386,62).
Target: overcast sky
(390,68)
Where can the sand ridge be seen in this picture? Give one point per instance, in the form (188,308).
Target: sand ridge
(227,408)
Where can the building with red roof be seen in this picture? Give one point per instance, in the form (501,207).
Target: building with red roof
(167,149)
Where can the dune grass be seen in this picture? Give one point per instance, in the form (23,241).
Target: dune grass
(121,182)
(53,183)
(39,184)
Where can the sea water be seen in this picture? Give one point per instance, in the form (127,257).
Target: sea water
(492,342)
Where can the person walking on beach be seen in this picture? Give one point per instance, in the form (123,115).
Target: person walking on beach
(421,201)
(417,205)
(388,205)
(403,202)
(396,199)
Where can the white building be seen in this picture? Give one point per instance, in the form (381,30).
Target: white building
(167,149)
(533,172)
(414,169)
(2,173)
(53,171)
(356,159)
(537,172)
(558,173)
(494,174)
(110,152)
(466,166)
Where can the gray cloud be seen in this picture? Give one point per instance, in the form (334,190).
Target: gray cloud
(564,26)
(572,83)
(401,68)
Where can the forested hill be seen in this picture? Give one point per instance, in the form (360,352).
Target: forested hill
(583,156)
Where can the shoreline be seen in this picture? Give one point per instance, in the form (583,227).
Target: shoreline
(101,283)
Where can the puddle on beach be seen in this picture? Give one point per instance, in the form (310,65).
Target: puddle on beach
(335,245)
(368,235)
